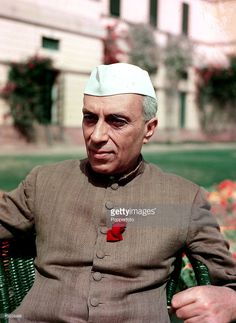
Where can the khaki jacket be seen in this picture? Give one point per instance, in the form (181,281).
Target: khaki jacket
(80,277)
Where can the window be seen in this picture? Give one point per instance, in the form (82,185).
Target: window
(50,43)
(153,12)
(48,98)
(183,75)
(182,109)
(115,8)
(185,18)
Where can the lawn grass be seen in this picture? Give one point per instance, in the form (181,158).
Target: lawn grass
(205,167)
(14,168)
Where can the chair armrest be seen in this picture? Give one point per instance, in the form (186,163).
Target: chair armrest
(16,275)
(4,287)
(201,274)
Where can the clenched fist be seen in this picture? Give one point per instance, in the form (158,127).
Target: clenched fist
(205,304)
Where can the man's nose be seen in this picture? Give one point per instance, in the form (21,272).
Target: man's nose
(100,132)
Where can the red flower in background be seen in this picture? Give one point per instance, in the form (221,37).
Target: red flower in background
(223,201)
(8,89)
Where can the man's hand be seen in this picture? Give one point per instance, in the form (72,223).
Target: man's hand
(205,304)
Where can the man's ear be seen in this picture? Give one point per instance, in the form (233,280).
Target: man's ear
(150,127)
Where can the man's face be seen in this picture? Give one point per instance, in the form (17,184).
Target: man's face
(114,131)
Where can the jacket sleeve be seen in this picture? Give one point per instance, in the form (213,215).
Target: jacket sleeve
(17,208)
(206,243)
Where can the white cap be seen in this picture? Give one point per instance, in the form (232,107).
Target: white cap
(117,79)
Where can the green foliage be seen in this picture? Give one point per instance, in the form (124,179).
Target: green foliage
(28,92)
(219,84)
(144,50)
(217,96)
(135,44)
(178,56)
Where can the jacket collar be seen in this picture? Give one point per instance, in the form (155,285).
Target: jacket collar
(106,179)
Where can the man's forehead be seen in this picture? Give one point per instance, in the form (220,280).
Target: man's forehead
(119,104)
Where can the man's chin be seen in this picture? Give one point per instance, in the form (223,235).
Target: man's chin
(102,168)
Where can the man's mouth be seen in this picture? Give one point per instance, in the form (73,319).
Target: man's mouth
(100,154)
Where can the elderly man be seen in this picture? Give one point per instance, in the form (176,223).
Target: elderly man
(90,266)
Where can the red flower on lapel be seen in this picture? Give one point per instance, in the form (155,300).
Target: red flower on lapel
(115,233)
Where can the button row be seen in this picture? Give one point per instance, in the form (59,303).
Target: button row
(103,230)
(100,254)
(94,301)
(114,186)
(97,276)
(109,205)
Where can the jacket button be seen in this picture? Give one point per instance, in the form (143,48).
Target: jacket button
(114,186)
(100,254)
(103,230)
(109,205)
(97,276)
(94,301)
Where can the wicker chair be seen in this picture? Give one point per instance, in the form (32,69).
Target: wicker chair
(201,274)
(17,274)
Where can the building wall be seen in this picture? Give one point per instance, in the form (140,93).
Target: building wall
(169,21)
(23,23)
(212,32)
(79,27)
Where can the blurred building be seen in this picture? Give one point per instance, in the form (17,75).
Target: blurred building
(208,25)
(72,33)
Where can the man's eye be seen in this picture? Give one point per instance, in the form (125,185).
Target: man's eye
(89,118)
(117,122)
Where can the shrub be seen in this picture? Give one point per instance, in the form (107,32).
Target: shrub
(223,201)
(28,92)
